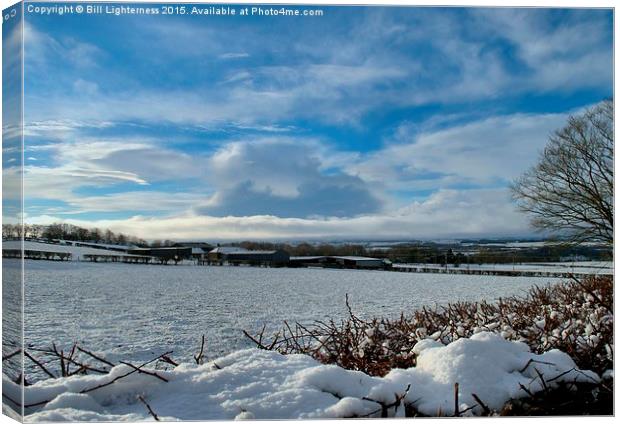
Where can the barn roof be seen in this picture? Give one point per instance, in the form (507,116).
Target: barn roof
(228,249)
(357,258)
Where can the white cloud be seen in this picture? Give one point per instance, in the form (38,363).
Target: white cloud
(574,53)
(297,177)
(485,152)
(88,163)
(233,55)
(448,213)
(378,60)
(42,49)
(60,128)
(136,202)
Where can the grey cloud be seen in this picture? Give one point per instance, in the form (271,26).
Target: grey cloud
(283,177)
(333,197)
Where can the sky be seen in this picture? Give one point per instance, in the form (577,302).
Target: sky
(364,123)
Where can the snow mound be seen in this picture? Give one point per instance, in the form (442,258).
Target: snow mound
(259,384)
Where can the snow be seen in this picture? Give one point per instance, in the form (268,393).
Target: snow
(107,307)
(593,267)
(258,384)
(77,252)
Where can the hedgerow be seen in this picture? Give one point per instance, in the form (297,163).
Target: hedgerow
(575,316)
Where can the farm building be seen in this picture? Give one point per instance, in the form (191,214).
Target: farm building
(164,254)
(238,256)
(351,262)
(93,245)
(200,254)
(200,250)
(194,244)
(309,261)
(359,262)
(259,257)
(218,255)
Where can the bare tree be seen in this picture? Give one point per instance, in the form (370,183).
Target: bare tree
(8,231)
(570,191)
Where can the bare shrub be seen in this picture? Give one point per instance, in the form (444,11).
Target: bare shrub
(575,316)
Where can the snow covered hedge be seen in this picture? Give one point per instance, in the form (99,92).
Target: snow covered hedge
(263,384)
(575,317)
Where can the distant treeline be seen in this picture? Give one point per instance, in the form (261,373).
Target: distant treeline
(436,254)
(307,249)
(69,232)
(422,252)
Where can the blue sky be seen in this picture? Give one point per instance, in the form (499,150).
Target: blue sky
(367,122)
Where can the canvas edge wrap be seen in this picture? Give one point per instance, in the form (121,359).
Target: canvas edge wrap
(12,205)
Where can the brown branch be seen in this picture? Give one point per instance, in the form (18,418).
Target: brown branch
(141,371)
(123,375)
(92,355)
(531,361)
(198,358)
(10,355)
(167,359)
(485,408)
(148,407)
(258,343)
(456,400)
(39,364)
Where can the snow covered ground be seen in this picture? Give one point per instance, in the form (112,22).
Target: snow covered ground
(133,311)
(594,267)
(76,252)
(260,384)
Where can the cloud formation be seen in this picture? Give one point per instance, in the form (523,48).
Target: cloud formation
(446,214)
(367,123)
(283,177)
(366,61)
(490,151)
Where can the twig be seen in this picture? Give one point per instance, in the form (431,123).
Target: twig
(78,371)
(148,407)
(63,369)
(385,407)
(561,375)
(141,371)
(542,380)
(10,355)
(169,360)
(469,408)
(531,361)
(485,408)
(95,356)
(198,358)
(456,400)
(86,367)
(258,343)
(334,394)
(526,390)
(123,375)
(39,364)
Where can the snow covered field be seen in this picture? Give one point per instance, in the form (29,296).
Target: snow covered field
(132,312)
(76,252)
(253,383)
(594,267)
